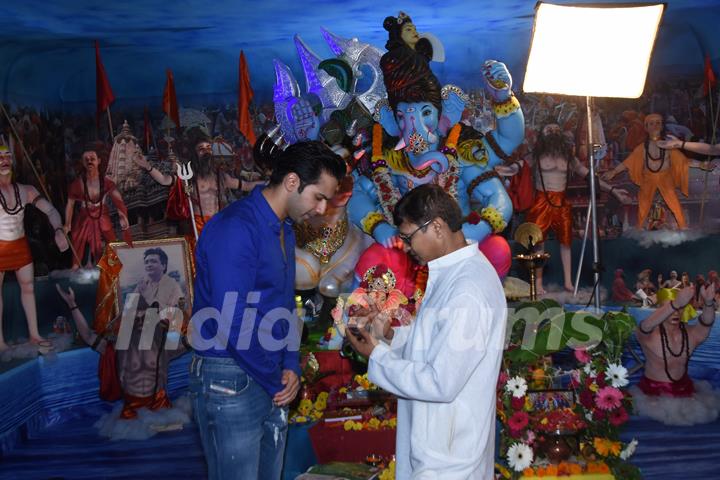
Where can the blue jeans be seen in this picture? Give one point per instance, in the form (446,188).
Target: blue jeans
(242,432)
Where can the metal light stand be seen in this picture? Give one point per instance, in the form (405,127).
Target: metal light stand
(592,215)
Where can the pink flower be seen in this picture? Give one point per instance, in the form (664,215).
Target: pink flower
(518,421)
(618,417)
(608,398)
(582,356)
(502,378)
(529,437)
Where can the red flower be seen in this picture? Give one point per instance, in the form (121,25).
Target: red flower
(518,421)
(474,218)
(515,433)
(518,403)
(586,399)
(618,417)
(600,380)
(599,415)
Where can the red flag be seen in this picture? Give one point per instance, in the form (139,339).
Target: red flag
(710,80)
(103,91)
(245,96)
(148,130)
(169,103)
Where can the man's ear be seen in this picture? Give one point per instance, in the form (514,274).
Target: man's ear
(291,182)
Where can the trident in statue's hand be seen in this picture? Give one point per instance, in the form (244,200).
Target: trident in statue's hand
(185,173)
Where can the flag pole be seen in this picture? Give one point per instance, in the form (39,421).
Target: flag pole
(714,121)
(112,132)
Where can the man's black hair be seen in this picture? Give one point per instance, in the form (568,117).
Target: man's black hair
(426,203)
(308,160)
(160,253)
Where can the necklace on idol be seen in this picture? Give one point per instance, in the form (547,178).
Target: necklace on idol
(648,157)
(684,347)
(18,202)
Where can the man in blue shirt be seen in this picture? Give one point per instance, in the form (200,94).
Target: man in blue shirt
(246,335)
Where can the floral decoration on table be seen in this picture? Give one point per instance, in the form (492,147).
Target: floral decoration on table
(309,411)
(565,469)
(389,472)
(561,422)
(369,422)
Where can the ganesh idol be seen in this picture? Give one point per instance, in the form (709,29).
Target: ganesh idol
(434,147)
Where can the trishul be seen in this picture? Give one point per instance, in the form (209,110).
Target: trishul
(185,173)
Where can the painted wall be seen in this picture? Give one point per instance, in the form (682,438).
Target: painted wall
(48,58)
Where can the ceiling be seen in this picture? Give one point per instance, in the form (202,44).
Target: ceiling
(47,48)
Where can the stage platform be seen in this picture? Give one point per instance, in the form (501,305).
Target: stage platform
(47,411)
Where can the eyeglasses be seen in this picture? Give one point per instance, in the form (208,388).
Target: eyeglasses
(408,238)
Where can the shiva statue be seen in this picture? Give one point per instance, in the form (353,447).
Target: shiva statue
(421,114)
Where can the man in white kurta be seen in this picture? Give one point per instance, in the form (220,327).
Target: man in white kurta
(444,367)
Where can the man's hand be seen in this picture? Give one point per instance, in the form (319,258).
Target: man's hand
(372,318)
(609,175)
(671,142)
(68,296)
(61,240)
(292,386)
(363,345)
(684,296)
(141,161)
(707,293)
(507,170)
(622,195)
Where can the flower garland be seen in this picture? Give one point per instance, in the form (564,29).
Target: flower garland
(388,192)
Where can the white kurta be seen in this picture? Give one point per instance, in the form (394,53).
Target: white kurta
(444,369)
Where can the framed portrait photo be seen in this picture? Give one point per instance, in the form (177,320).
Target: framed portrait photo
(158,270)
(548,400)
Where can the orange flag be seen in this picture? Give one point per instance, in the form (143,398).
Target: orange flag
(710,80)
(245,96)
(103,92)
(169,104)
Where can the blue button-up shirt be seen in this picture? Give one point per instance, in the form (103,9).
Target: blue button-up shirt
(244,284)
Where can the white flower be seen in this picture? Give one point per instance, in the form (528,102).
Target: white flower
(517,386)
(589,371)
(629,450)
(617,374)
(519,456)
